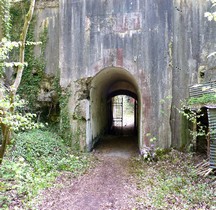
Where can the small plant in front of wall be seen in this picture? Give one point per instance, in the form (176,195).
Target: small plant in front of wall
(188,112)
(193,115)
(164,108)
(152,153)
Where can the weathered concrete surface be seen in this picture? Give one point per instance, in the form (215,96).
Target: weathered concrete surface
(47,13)
(161,44)
(77,109)
(133,35)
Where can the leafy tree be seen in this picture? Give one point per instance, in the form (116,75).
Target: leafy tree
(211,15)
(11,117)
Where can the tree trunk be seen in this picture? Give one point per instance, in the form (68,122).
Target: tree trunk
(23,35)
(5,138)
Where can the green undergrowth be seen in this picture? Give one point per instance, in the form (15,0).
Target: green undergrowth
(32,164)
(172,183)
(204,99)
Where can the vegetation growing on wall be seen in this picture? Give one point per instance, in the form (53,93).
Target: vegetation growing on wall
(212,14)
(190,116)
(203,100)
(65,128)
(4,13)
(34,72)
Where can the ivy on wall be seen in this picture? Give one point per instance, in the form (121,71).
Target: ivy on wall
(35,70)
(5,18)
(65,128)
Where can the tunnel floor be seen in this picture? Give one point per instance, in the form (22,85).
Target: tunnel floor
(123,131)
(118,146)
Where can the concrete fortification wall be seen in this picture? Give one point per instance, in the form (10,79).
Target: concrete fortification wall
(157,47)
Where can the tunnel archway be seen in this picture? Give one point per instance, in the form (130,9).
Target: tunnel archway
(108,83)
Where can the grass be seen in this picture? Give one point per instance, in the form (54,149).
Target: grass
(204,99)
(32,164)
(172,183)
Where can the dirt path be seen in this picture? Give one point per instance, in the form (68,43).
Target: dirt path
(107,186)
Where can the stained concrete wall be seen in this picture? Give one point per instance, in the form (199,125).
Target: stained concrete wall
(161,43)
(134,35)
(47,13)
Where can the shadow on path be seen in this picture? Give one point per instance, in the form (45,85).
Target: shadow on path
(118,146)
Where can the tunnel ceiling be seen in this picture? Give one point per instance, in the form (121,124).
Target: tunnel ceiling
(122,92)
(111,81)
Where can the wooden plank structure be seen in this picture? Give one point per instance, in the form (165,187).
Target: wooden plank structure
(199,90)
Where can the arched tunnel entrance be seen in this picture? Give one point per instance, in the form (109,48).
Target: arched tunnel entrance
(113,91)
